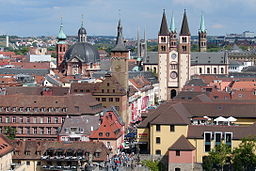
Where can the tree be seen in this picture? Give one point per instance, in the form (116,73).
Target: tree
(10,132)
(218,157)
(244,157)
(152,165)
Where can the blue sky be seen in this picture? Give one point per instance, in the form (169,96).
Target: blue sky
(42,17)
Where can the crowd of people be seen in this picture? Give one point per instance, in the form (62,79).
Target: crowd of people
(122,160)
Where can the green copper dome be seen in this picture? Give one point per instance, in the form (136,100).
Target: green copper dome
(61,35)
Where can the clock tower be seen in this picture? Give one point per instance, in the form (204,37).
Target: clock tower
(119,68)
(119,59)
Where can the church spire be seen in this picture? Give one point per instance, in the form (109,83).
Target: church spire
(119,40)
(172,27)
(202,25)
(61,35)
(184,27)
(164,28)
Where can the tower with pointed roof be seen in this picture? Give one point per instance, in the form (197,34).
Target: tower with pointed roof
(173,35)
(61,46)
(202,40)
(184,52)
(119,64)
(163,57)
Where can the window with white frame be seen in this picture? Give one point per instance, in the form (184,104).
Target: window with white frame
(207,141)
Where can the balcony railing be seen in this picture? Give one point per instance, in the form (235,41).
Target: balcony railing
(63,158)
(50,167)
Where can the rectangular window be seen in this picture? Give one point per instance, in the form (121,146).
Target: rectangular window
(111,99)
(48,130)
(98,99)
(62,119)
(28,120)
(228,138)
(158,140)
(158,152)
(117,99)
(56,120)
(28,163)
(41,130)
(48,119)
(14,119)
(35,130)
(103,99)
(21,119)
(218,138)
(41,120)
(1,119)
(158,128)
(178,153)
(7,119)
(172,128)
(34,120)
(28,130)
(207,141)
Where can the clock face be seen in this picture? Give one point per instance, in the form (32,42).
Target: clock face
(173,75)
(118,68)
(173,55)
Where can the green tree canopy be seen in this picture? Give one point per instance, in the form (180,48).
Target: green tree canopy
(244,157)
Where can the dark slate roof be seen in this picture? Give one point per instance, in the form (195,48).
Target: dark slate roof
(87,123)
(239,132)
(209,58)
(81,31)
(234,63)
(236,48)
(83,51)
(196,82)
(146,74)
(250,69)
(105,65)
(187,95)
(120,47)
(151,59)
(184,27)
(164,31)
(182,144)
(40,72)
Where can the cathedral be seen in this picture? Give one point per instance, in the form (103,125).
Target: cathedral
(81,58)
(176,63)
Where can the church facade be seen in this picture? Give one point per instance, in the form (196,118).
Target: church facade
(176,63)
(81,58)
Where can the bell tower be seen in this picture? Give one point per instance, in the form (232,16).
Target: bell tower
(163,58)
(61,46)
(202,40)
(184,52)
(119,59)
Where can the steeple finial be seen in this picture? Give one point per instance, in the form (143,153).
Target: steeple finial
(61,35)
(202,24)
(184,27)
(119,40)
(164,28)
(82,20)
(172,28)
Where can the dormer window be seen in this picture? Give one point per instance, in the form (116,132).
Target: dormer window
(100,134)
(97,154)
(28,109)
(21,109)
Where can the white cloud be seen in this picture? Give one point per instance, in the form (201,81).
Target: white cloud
(217,26)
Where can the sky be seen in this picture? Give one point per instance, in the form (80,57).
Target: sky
(42,17)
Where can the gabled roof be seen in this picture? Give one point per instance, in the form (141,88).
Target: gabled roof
(182,144)
(164,31)
(184,27)
(5,145)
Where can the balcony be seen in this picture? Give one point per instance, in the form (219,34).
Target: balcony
(51,167)
(63,158)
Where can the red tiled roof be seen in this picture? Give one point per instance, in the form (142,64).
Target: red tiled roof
(5,145)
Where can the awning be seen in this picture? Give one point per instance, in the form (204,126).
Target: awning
(231,119)
(221,119)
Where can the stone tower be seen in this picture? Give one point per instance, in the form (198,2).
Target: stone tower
(184,52)
(163,58)
(202,40)
(61,46)
(119,59)
(119,68)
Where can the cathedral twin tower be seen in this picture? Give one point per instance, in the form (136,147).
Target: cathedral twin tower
(174,55)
